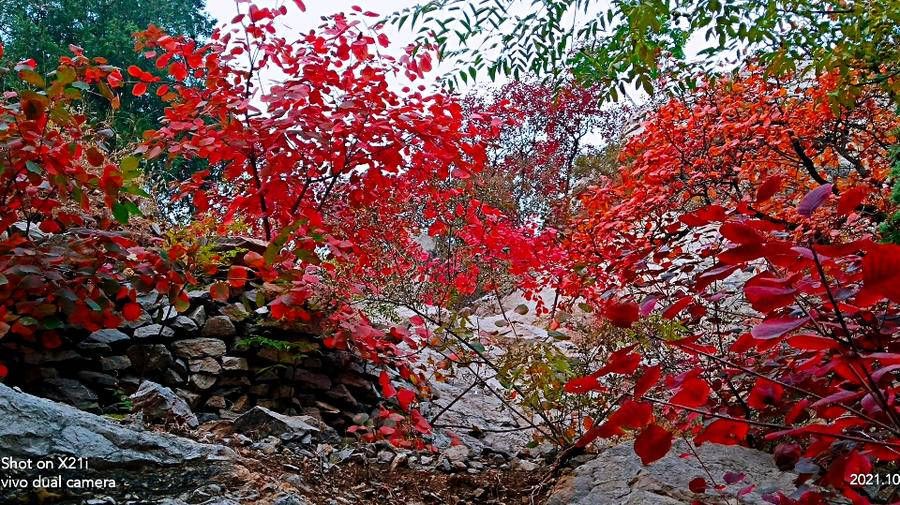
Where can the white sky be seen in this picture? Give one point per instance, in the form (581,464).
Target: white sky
(301,22)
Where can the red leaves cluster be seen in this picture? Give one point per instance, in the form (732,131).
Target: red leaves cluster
(725,213)
(66,261)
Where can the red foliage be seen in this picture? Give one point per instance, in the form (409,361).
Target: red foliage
(753,192)
(66,262)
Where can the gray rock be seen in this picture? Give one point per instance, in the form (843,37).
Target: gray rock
(312,379)
(261,422)
(203,381)
(35,428)
(143,319)
(95,348)
(185,323)
(385,456)
(198,295)
(98,379)
(198,315)
(148,300)
(616,475)
(457,453)
(205,365)
(108,337)
(218,327)
(216,402)
(172,378)
(199,348)
(290,499)
(113,363)
(153,331)
(150,357)
(524,465)
(55,356)
(232,364)
(190,397)
(70,391)
(166,314)
(159,403)
(236,312)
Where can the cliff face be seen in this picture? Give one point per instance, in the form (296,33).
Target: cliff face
(222,359)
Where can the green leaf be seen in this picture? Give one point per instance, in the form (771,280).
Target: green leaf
(34,167)
(129,167)
(120,212)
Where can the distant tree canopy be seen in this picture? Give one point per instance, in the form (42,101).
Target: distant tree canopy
(631,41)
(44,29)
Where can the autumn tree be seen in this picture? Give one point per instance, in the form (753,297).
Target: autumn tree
(747,214)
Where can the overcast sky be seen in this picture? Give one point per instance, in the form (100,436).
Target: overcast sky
(300,22)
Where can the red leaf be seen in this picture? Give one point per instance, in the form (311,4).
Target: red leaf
(633,415)
(677,307)
(740,233)
(237,276)
(732,477)
(764,394)
(723,431)
(766,293)
(715,273)
(580,385)
(622,314)
(622,361)
(813,200)
(652,444)
(178,71)
(419,422)
(704,215)
(139,89)
(405,397)
(254,260)
(219,291)
(774,328)
(768,188)
(812,343)
(300,4)
(697,485)
(851,198)
(4,371)
(135,71)
(742,254)
(647,380)
(387,389)
(131,311)
(881,271)
(693,393)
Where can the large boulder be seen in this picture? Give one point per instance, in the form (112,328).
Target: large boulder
(35,427)
(159,403)
(260,422)
(616,475)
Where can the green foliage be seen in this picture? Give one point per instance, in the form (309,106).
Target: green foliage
(298,347)
(633,41)
(890,229)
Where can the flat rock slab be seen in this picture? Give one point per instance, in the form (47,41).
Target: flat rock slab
(35,427)
(616,476)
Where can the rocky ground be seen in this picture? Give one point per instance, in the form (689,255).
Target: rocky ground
(181,444)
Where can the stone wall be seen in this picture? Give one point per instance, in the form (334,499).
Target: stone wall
(218,357)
